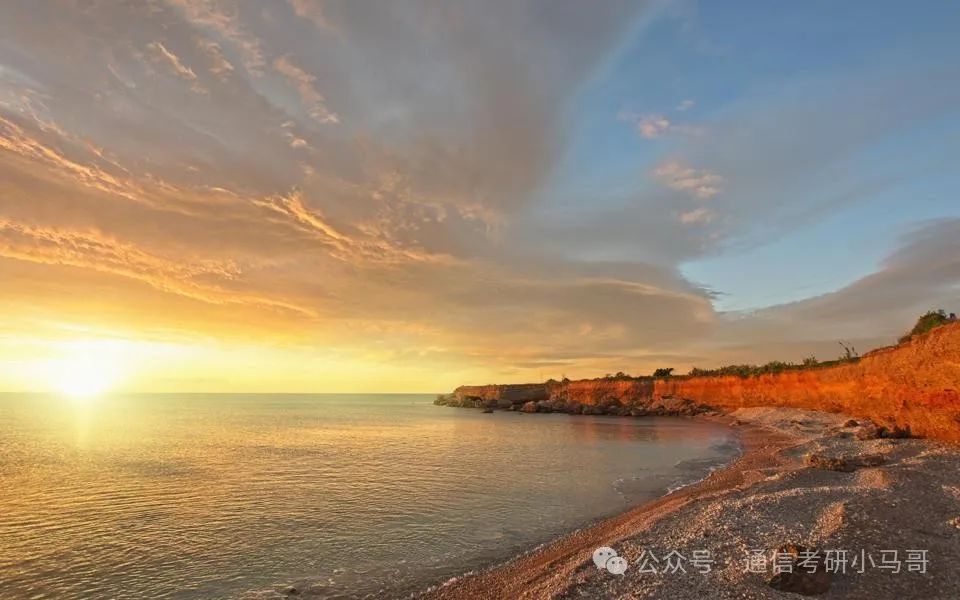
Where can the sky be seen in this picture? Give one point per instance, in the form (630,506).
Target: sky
(336,196)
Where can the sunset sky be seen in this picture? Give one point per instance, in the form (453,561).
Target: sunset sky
(321,195)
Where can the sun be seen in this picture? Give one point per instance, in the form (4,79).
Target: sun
(84,377)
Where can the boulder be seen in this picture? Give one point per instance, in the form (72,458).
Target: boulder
(851,423)
(529,407)
(801,571)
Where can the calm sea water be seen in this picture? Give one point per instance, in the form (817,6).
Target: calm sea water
(343,496)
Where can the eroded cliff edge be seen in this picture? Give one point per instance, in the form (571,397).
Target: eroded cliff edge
(911,387)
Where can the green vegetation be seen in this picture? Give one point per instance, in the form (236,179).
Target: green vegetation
(772,367)
(776,366)
(931,320)
(619,375)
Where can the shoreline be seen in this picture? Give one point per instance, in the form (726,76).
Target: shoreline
(541,571)
(771,473)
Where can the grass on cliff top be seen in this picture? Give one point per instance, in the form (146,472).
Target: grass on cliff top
(927,322)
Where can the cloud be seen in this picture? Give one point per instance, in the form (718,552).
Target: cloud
(93,250)
(685,105)
(698,216)
(313,101)
(220,17)
(921,273)
(172,61)
(311,10)
(699,183)
(219,65)
(649,126)
(422,221)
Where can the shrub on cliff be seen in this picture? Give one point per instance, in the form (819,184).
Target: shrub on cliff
(619,376)
(931,320)
(663,372)
(850,353)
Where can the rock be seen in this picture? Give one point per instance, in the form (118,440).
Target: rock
(471,402)
(845,464)
(830,463)
(851,423)
(291,591)
(488,410)
(870,460)
(529,407)
(897,432)
(869,431)
(638,411)
(504,403)
(544,406)
(802,571)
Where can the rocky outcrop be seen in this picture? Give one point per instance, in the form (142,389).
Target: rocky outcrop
(549,398)
(910,389)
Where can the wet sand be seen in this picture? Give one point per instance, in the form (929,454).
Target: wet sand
(766,498)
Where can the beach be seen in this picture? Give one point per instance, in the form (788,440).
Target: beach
(822,482)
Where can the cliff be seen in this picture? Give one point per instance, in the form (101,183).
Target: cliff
(914,386)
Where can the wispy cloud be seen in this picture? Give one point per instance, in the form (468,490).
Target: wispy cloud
(221,18)
(423,219)
(218,63)
(699,183)
(172,63)
(698,216)
(311,10)
(649,126)
(313,101)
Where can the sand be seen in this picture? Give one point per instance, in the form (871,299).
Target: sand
(767,498)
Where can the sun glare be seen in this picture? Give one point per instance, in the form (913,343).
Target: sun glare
(84,378)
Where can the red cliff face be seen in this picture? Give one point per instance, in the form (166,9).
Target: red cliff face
(915,385)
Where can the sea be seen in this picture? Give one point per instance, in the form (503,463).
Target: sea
(253,496)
